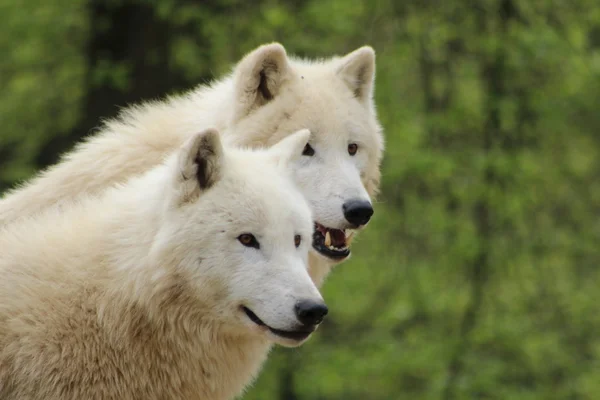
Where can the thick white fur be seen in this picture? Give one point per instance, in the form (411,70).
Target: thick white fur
(267,97)
(136,294)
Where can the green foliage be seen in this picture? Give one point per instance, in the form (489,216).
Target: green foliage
(41,71)
(478,276)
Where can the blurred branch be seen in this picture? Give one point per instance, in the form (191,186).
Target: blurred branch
(7,151)
(286,380)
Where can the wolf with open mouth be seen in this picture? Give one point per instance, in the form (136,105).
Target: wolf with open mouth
(267,97)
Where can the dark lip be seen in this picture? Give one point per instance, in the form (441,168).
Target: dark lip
(294,335)
(333,254)
(319,245)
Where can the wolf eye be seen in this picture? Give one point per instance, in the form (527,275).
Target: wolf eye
(308,150)
(248,240)
(352,148)
(297,240)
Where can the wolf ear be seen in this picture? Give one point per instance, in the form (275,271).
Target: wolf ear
(258,77)
(200,163)
(357,69)
(290,148)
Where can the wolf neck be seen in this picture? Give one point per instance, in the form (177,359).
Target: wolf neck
(190,352)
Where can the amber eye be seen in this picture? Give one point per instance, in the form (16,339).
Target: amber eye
(297,240)
(248,240)
(308,150)
(352,148)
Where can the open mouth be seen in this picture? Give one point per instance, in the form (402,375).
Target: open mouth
(294,335)
(330,242)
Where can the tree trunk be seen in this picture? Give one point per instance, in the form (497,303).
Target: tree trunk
(123,37)
(493,74)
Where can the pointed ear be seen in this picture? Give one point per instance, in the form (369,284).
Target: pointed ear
(357,69)
(258,77)
(200,163)
(290,148)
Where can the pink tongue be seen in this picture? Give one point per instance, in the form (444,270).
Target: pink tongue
(338,237)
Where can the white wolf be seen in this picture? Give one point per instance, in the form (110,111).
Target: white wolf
(267,97)
(171,286)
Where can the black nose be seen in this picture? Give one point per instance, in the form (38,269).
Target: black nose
(310,312)
(358,212)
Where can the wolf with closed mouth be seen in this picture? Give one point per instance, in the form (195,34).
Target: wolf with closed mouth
(173,285)
(268,96)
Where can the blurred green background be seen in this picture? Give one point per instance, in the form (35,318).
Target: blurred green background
(479,276)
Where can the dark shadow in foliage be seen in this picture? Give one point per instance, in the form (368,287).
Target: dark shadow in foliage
(121,34)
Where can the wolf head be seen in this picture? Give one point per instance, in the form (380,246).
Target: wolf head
(240,232)
(338,170)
